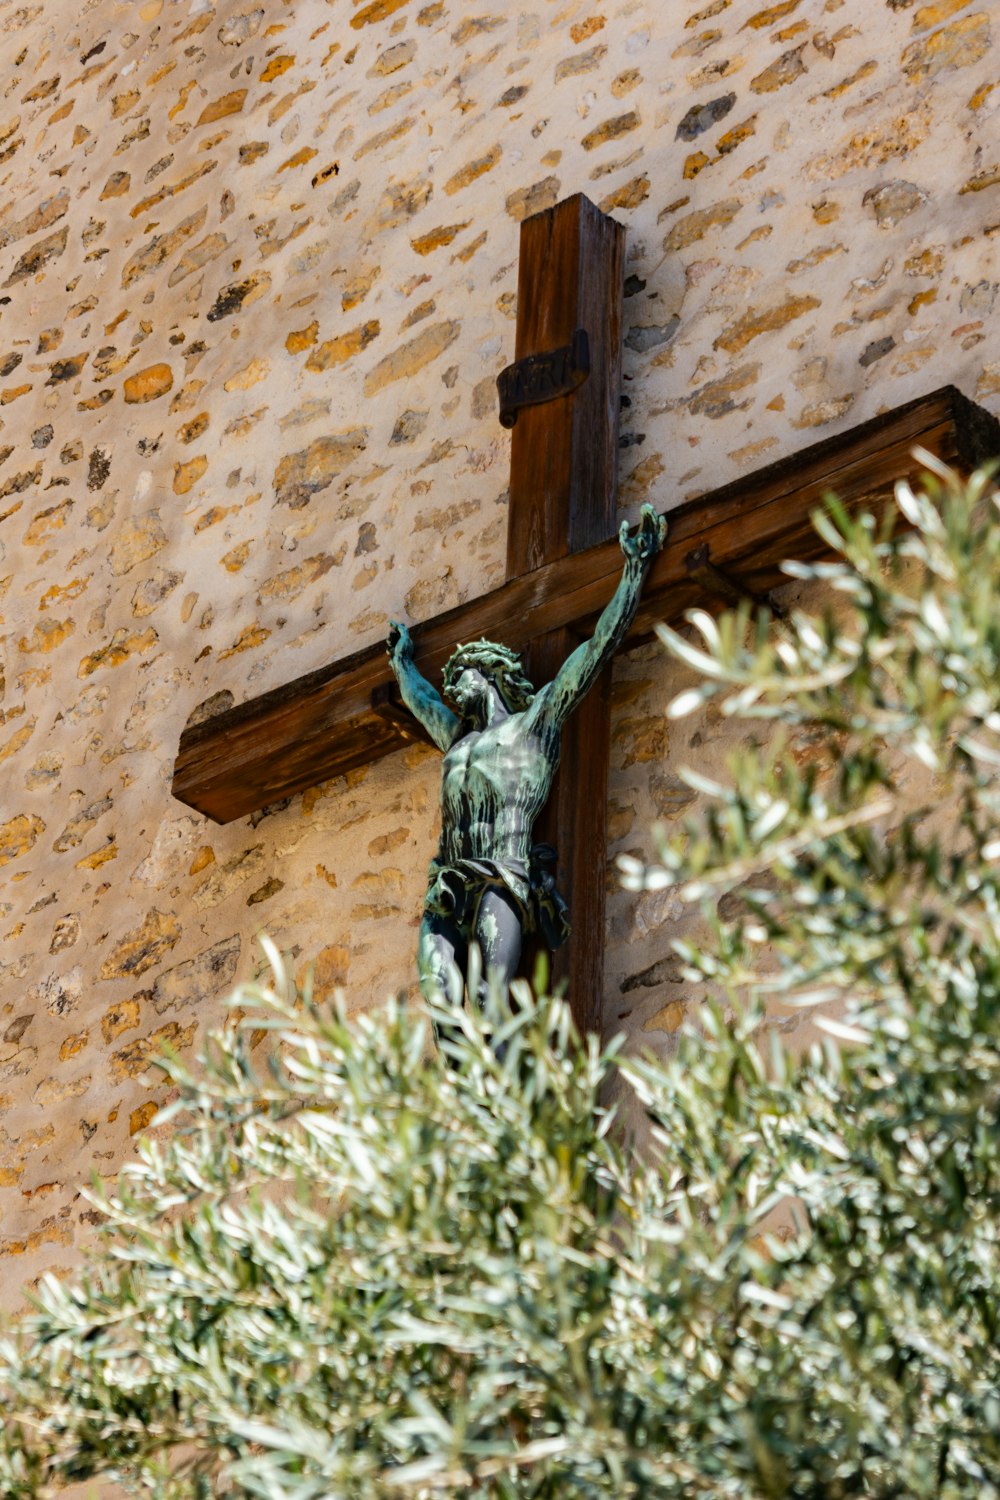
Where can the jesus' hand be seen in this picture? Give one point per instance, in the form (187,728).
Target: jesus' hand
(642,545)
(399,643)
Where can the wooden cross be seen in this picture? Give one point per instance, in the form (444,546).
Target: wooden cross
(562,566)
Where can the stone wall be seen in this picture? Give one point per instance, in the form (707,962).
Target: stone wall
(258,267)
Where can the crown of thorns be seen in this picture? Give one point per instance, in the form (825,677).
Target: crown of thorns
(500,664)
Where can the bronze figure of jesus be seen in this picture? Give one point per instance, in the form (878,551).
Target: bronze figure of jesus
(488,883)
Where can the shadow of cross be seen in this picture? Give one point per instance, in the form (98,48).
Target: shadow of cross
(561,397)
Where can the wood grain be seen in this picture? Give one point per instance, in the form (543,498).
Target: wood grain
(575,822)
(564,454)
(323,724)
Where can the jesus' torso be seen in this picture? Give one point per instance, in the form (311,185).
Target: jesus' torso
(494,783)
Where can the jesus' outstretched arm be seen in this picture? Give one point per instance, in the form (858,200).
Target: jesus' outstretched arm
(557,700)
(424,703)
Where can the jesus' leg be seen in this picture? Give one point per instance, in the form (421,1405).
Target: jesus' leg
(442,955)
(498,931)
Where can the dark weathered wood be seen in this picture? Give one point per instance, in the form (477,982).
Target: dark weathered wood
(563,480)
(388,706)
(323,725)
(564,454)
(575,823)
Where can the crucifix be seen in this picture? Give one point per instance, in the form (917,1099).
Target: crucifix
(561,398)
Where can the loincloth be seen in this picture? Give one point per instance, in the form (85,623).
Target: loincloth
(456,887)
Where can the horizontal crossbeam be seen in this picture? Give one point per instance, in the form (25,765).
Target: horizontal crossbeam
(343,715)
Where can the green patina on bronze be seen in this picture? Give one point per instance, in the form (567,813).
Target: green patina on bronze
(488,883)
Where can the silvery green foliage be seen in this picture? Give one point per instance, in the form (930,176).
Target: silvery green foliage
(354,1271)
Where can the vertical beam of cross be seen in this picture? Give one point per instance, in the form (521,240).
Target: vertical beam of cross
(564,455)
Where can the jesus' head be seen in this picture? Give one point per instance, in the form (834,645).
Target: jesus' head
(499,664)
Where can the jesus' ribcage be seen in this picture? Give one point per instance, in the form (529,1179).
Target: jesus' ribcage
(494,784)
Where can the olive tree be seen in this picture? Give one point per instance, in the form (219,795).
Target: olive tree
(357,1267)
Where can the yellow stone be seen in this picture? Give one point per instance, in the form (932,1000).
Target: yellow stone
(670,1018)
(299,159)
(58,593)
(117,185)
(695,226)
(435,238)
(240,294)
(187,396)
(276,67)
(823,412)
(629,195)
(358,287)
(393,58)
(534,199)
(140,1118)
(763,320)
(637,485)
(785,69)
(980,96)
(250,375)
(186,476)
(213,516)
(959,45)
(473,169)
(336,351)
(73,1044)
(302,338)
(236,557)
(134,1059)
(922,299)
(736,136)
(865,71)
(815,257)
(143,947)
(626,82)
(188,432)
(204,857)
(989,381)
(154,252)
(171,189)
(140,537)
(253,636)
(17,741)
(18,835)
(149,384)
(329,973)
(377,10)
(100,857)
(986,179)
(47,635)
(197,256)
(584,29)
(771,14)
(611,130)
(694,164)
(389,97)
(932,15)
(229,104)
(289,585)
(122,103)
(643,737)
(750,453)
(120,647)
(411,357)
